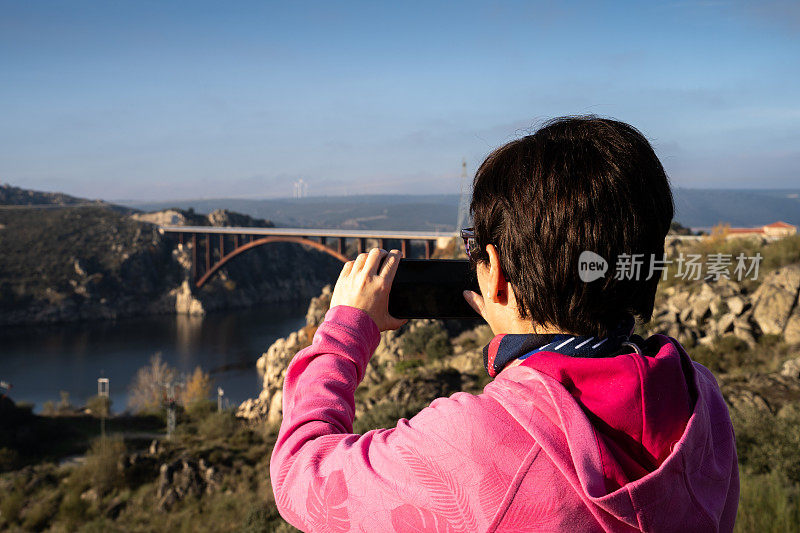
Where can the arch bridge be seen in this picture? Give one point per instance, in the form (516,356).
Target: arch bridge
(218,245)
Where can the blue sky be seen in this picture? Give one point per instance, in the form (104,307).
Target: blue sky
(165,100)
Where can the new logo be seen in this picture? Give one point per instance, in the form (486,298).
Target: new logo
(591,266)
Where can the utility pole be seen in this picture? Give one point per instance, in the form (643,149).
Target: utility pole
(463,208)
(171,401)
(103,392)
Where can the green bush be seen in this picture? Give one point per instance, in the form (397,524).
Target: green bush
(385,415)
(102,469)
(218,425)
(264,518)
(49,408)
(201,409)
(99,406)
(430,341)
(11,505)
(768,443)
(9,459)
(73,510)
(768,503)
(405,365)
(38,514)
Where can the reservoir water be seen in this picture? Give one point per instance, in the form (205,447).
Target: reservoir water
(41,361)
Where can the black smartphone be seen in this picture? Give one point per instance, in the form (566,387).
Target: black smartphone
(432,288)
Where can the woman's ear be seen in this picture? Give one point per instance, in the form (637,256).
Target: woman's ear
(498,286)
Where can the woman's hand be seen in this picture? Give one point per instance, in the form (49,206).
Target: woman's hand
(361,285)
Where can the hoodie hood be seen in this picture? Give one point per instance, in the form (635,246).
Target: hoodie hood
(639,404)
(646,439)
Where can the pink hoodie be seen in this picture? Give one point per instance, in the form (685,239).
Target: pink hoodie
(626,443)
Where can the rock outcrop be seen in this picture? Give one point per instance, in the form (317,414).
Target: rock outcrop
(699,314)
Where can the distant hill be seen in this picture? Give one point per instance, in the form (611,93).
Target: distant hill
(694,208)
(743,208)
(15,196)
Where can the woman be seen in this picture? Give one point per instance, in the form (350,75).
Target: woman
(585,427)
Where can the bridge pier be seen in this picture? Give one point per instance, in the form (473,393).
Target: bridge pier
(194,256)
(208,252)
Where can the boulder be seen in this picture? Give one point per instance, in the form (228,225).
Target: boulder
(725,323)
(318,307)
(791,333)
(775,299)
(184,477)
(185,301)
(736,304)
(791,368)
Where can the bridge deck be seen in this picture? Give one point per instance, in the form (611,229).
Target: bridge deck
(303,232)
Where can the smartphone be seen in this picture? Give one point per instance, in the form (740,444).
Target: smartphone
(432,288)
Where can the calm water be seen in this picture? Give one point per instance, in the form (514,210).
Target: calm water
(39,362)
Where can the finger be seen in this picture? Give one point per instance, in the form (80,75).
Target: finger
(475,301)
(373,260)
(358,264)
(390,265)
(346,269)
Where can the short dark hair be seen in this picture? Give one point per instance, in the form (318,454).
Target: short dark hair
(579,183)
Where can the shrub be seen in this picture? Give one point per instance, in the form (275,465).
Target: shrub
(39,513)
(9,459)
(49,408)
(385,415)
(11,505)
(99,406)
(197,389)
(215,426)
(73,509)
(768,503)
(768,443)
(405,365)
(262,518)
(429,340)
(102,469)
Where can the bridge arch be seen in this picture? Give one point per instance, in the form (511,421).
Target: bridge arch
(266,240)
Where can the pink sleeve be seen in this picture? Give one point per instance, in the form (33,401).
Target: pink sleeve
(419,476)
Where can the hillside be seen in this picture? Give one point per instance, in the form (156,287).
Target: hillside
(85,262)
(15,196)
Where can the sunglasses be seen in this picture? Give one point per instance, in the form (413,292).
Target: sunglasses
(470,244)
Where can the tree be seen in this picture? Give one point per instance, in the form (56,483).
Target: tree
(198,387)
(147,389)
